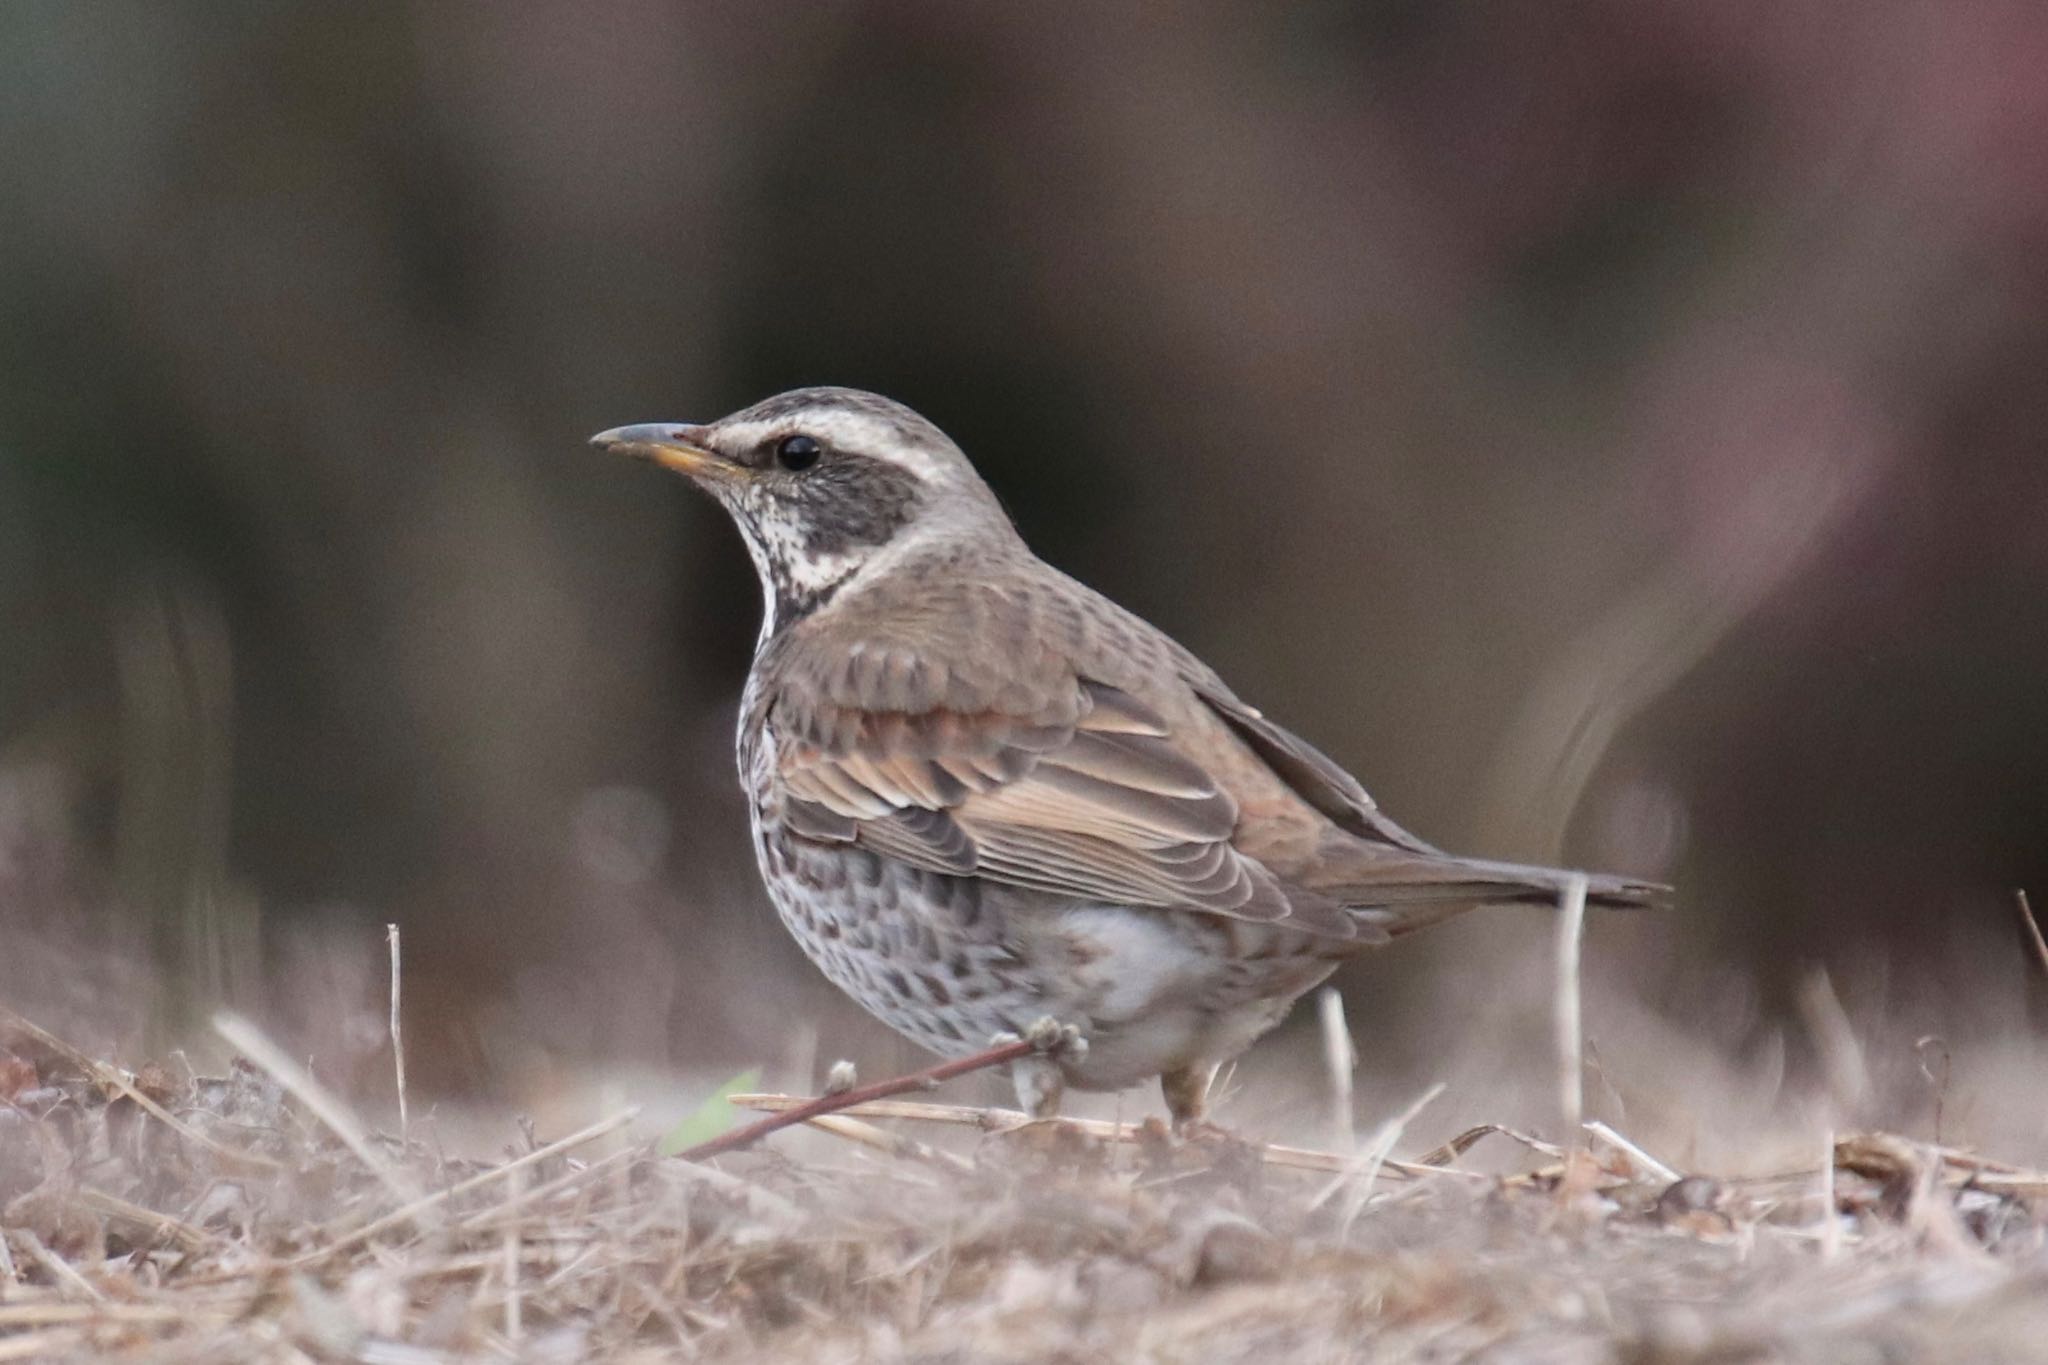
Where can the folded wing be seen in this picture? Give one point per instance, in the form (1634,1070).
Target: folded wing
(1086,795)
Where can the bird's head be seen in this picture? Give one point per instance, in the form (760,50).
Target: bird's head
(825,484)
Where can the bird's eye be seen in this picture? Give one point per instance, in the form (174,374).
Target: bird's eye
(797,453)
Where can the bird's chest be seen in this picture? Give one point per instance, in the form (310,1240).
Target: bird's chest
(754,749)
(922,952)
(927,954)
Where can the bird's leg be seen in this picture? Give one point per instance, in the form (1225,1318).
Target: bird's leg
(1186,1090)
(1039,1079)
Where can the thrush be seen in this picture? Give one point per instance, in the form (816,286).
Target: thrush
(982,794)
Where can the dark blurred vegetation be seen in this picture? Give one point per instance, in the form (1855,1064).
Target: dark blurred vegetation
(1615,430)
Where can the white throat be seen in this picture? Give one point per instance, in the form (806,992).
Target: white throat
(779,558)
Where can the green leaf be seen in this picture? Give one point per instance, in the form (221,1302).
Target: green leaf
(712,1117)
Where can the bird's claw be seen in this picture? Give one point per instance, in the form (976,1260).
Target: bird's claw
(1050,1037)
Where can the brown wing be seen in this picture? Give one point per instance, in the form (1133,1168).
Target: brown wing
(1312,774)
(1392,879)
(1085,795)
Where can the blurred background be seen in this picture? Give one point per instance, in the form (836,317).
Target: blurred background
(1616,431)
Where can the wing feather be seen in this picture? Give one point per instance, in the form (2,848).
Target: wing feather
(1310,773)
(1145,763)
(1085,795)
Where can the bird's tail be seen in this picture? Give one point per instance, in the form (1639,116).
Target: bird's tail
(1516,883)
(1405,891)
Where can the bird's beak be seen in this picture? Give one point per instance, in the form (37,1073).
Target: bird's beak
(671,445)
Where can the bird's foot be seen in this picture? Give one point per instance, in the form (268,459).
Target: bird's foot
(1041,1077)
(1054,1039)
(1206,1133)
(1186,1091)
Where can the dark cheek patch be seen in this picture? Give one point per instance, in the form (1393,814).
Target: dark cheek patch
(850,501)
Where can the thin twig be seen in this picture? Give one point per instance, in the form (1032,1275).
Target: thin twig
(2033,927)
(1340,1059)
(1849,1154)
(1841,1055)
(861,1094)
(1570,1037)
(114,1078)
(462,1187)
(522,1196)
(73,1312)
(2035,1186)
(1467,1140)
(999,1120)
(514,1304)
(1367,1164)
(894,1144)
(56,1266)
(1830,1215)
(1382,1143)
(1643,1161)
(324,1105)
(162,1224)
(398,1042)
(1938,1044)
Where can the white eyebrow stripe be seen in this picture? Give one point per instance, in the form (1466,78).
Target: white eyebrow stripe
(839,429)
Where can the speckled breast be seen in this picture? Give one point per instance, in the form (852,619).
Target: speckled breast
(918,950)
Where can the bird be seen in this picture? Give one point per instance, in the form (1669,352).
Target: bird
(983,796)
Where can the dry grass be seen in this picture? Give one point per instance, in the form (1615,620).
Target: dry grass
(155,1216)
